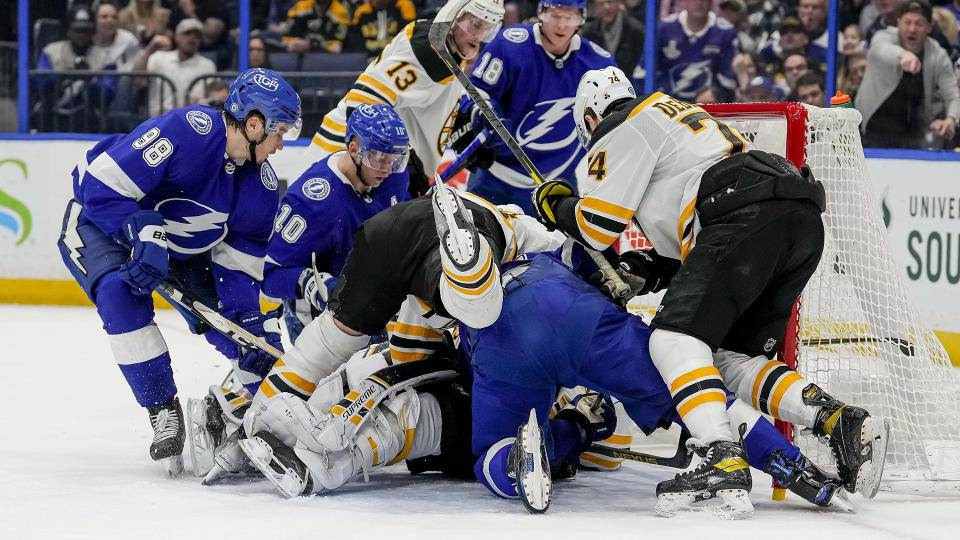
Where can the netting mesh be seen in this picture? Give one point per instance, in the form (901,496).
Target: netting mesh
(860,338)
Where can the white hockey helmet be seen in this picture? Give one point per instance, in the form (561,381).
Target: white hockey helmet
(599,88)
(489,11)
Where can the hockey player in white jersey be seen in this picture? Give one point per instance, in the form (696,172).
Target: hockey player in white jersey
(410,77)
(746,225)
(530,73)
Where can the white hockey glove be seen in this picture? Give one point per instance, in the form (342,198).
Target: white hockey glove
(316,288)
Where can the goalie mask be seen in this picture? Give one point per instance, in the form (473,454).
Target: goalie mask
(598,89)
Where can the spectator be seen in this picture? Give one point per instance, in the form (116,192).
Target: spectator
(947,23)
(813,16)
(811,90)
(145,19)
(851,73)
(71,53)
(706,96)
(695,49)
(745,68)
(278,14)
(853,40)
(259,55)
(212,14)
(792,39)
(907,74)
(617,31)
(113,47)
(181,65)
(888,14)
(317,25)
(765,17)
(376,22)
(794,67)
(759,90)
(954,8)
(735,13)
(215,93)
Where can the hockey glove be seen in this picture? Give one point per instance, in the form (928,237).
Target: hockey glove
(462,133)
(646,271)
(595,415)
(545,199)
(149,261)
(316,289)
(255,362)
(419,181)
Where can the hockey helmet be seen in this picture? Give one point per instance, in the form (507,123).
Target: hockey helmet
(578,4)
(266,92)
(486,20)
(383,139)
(599,88)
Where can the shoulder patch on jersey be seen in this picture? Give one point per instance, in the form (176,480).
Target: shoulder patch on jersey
(268,177)
(316,189)
(516,34)
(600,50)
(200,122)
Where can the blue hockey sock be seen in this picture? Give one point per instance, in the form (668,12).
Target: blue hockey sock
(491,469)
(764,439)
(151,381)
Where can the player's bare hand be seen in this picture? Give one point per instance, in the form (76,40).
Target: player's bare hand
(297,45)
(944,128)
(909,62)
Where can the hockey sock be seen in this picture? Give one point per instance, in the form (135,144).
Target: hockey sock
(491,469)
(686,365)
(145,362)
(761,438)
(770,386)
(319,351)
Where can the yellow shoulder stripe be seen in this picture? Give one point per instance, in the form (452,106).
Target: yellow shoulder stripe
(643,104)
(379,86)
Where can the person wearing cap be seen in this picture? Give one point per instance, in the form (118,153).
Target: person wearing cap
(792,39)
(181,66)
(888,14)
(187,197)
(759,89)
(71,53)
(617,31)
(909,96)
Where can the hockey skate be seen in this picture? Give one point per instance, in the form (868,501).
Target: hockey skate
(168,436)
(278,463)
(805,479)
(723,473)
(208,425)
(228,459)
(528,464)
(459,239)
(859,441)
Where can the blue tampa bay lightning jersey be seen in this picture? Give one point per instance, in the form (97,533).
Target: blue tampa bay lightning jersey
(176,164)
(320,212)
(536,91)
(688,61)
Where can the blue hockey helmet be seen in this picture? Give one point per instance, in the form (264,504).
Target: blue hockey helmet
(579,4)
(266,92)
(383,139)
(563,19)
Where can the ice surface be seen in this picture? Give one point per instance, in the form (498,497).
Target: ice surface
(74,464)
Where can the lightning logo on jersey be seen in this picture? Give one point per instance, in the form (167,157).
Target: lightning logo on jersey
(200,229)
(546,118)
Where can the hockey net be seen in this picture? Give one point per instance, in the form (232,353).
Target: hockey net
(855,331)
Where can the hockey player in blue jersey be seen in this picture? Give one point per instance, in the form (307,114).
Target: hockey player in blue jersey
(320,213)
(530,72)
(557,330)
(187,196)
(695,49)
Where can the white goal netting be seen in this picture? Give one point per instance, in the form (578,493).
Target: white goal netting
(858,335)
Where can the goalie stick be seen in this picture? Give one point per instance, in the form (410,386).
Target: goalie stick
(680,460)
(439,30)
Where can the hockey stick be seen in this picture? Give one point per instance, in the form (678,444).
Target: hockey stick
(680,460)
(439,30)
(460,163)
(217,321)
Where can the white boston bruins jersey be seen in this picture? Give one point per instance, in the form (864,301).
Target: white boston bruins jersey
(645,164)
(410,77)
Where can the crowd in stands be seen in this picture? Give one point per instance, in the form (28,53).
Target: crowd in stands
(896,58)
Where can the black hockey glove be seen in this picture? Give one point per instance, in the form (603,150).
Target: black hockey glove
(646,271)
(462,133)
(419,181)
(545,199)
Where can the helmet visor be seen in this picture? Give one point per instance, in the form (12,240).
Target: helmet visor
(385,161)
(477,28)
(290,132)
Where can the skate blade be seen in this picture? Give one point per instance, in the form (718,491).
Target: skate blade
(534,486)
(841,502)
(261,456)
(874,433)
(173,464)
(201,443)
(733,504)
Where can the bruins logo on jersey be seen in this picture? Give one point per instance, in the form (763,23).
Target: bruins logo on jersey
(444,135)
